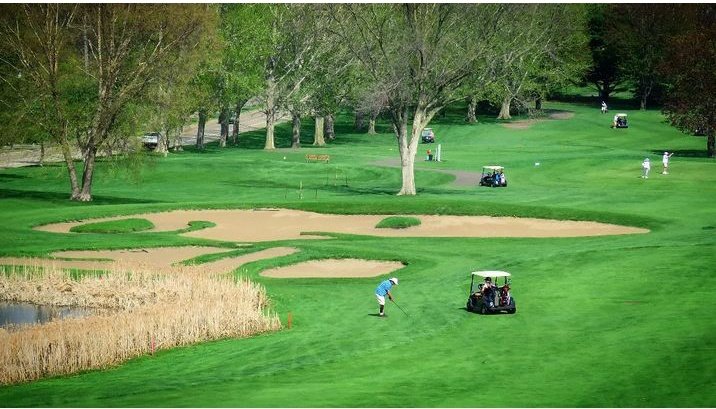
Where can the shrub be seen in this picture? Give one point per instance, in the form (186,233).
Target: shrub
(398,222)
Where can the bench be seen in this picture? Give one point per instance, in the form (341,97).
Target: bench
(312,157)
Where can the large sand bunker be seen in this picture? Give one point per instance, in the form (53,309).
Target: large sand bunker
(283,224)
(333,268)
(163,259)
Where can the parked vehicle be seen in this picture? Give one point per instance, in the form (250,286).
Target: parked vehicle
(428,136)
(493,176)
(150,140)
(496,298)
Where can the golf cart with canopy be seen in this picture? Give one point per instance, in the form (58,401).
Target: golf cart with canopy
(490,298)
(494,176)
(620,121)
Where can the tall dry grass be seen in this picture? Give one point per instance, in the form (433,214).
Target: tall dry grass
(149,311)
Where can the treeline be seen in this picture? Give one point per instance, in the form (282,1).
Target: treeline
(90,76)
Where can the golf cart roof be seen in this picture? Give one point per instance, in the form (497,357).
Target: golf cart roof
(493,167)
(491,273)
(621,114)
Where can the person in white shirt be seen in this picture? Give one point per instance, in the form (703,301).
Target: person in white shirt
(665,162)
(604,107)
(646,167)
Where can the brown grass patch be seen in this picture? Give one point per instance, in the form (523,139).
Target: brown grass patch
(152,311)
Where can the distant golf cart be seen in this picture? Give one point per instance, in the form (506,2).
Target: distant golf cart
(620,121)
(493,176)
(428,136)
(497,299)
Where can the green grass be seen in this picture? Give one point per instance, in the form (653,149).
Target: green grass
(114,226)
(615,321)
(398,222)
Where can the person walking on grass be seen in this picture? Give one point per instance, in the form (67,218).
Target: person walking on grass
(665,162)
(383,290)
(646,167)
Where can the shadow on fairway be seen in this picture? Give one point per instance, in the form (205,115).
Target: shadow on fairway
(684,153)
(64,197)
(11,176)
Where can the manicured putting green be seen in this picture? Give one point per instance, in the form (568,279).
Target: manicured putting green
(115,226)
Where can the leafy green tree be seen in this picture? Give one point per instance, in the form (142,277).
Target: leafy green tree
(128,47)
(245,30)
(642,32)
(605,73)
(540,50)
(417,56)
(689,70)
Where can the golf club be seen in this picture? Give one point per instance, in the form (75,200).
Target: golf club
(401,309)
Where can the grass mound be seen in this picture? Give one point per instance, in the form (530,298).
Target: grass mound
(115,226)
(398,222)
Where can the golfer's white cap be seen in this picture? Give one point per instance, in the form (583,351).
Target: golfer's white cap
(394,280)
(647,159)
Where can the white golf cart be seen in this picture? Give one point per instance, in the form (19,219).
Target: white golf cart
(490,299)
(620,121)
(493,176)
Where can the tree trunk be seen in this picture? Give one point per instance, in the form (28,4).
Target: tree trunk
(471,108)
(359,124)
(162,142)
(177,140)
(270,112)
(407,160)
(296,130)
(711,144)
(329,128)
(371,122)
(224,122)
(70,164)
(200,129)
(505,110)
(42,154)
(318,139)
(538,103)
(237,111)
(89,159)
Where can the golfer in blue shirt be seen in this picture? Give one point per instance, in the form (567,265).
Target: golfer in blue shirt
(383,290)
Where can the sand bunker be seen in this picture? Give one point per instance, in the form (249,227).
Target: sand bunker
(157,259)
(334,268)
(283,224)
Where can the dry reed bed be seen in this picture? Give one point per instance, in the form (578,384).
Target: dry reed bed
(153,311)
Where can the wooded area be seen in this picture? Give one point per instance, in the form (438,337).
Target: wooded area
(91,77)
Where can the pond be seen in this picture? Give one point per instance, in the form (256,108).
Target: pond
(14,314)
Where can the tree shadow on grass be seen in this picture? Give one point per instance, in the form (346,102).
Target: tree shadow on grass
(64,197)
(684,153)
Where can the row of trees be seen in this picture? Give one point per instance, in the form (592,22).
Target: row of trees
(89,76)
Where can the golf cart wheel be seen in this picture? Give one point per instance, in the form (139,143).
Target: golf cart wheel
(483,309)
(512,308)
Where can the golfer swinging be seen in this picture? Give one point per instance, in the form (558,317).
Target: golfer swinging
(383,290)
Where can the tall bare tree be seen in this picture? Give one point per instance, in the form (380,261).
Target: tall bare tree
(419,55)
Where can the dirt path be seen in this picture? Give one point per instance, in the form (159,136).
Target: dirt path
(29,155)
(551,114)
(462,177)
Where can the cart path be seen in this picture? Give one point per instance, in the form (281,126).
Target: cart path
(551,114)
(29,155)
(463,178)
